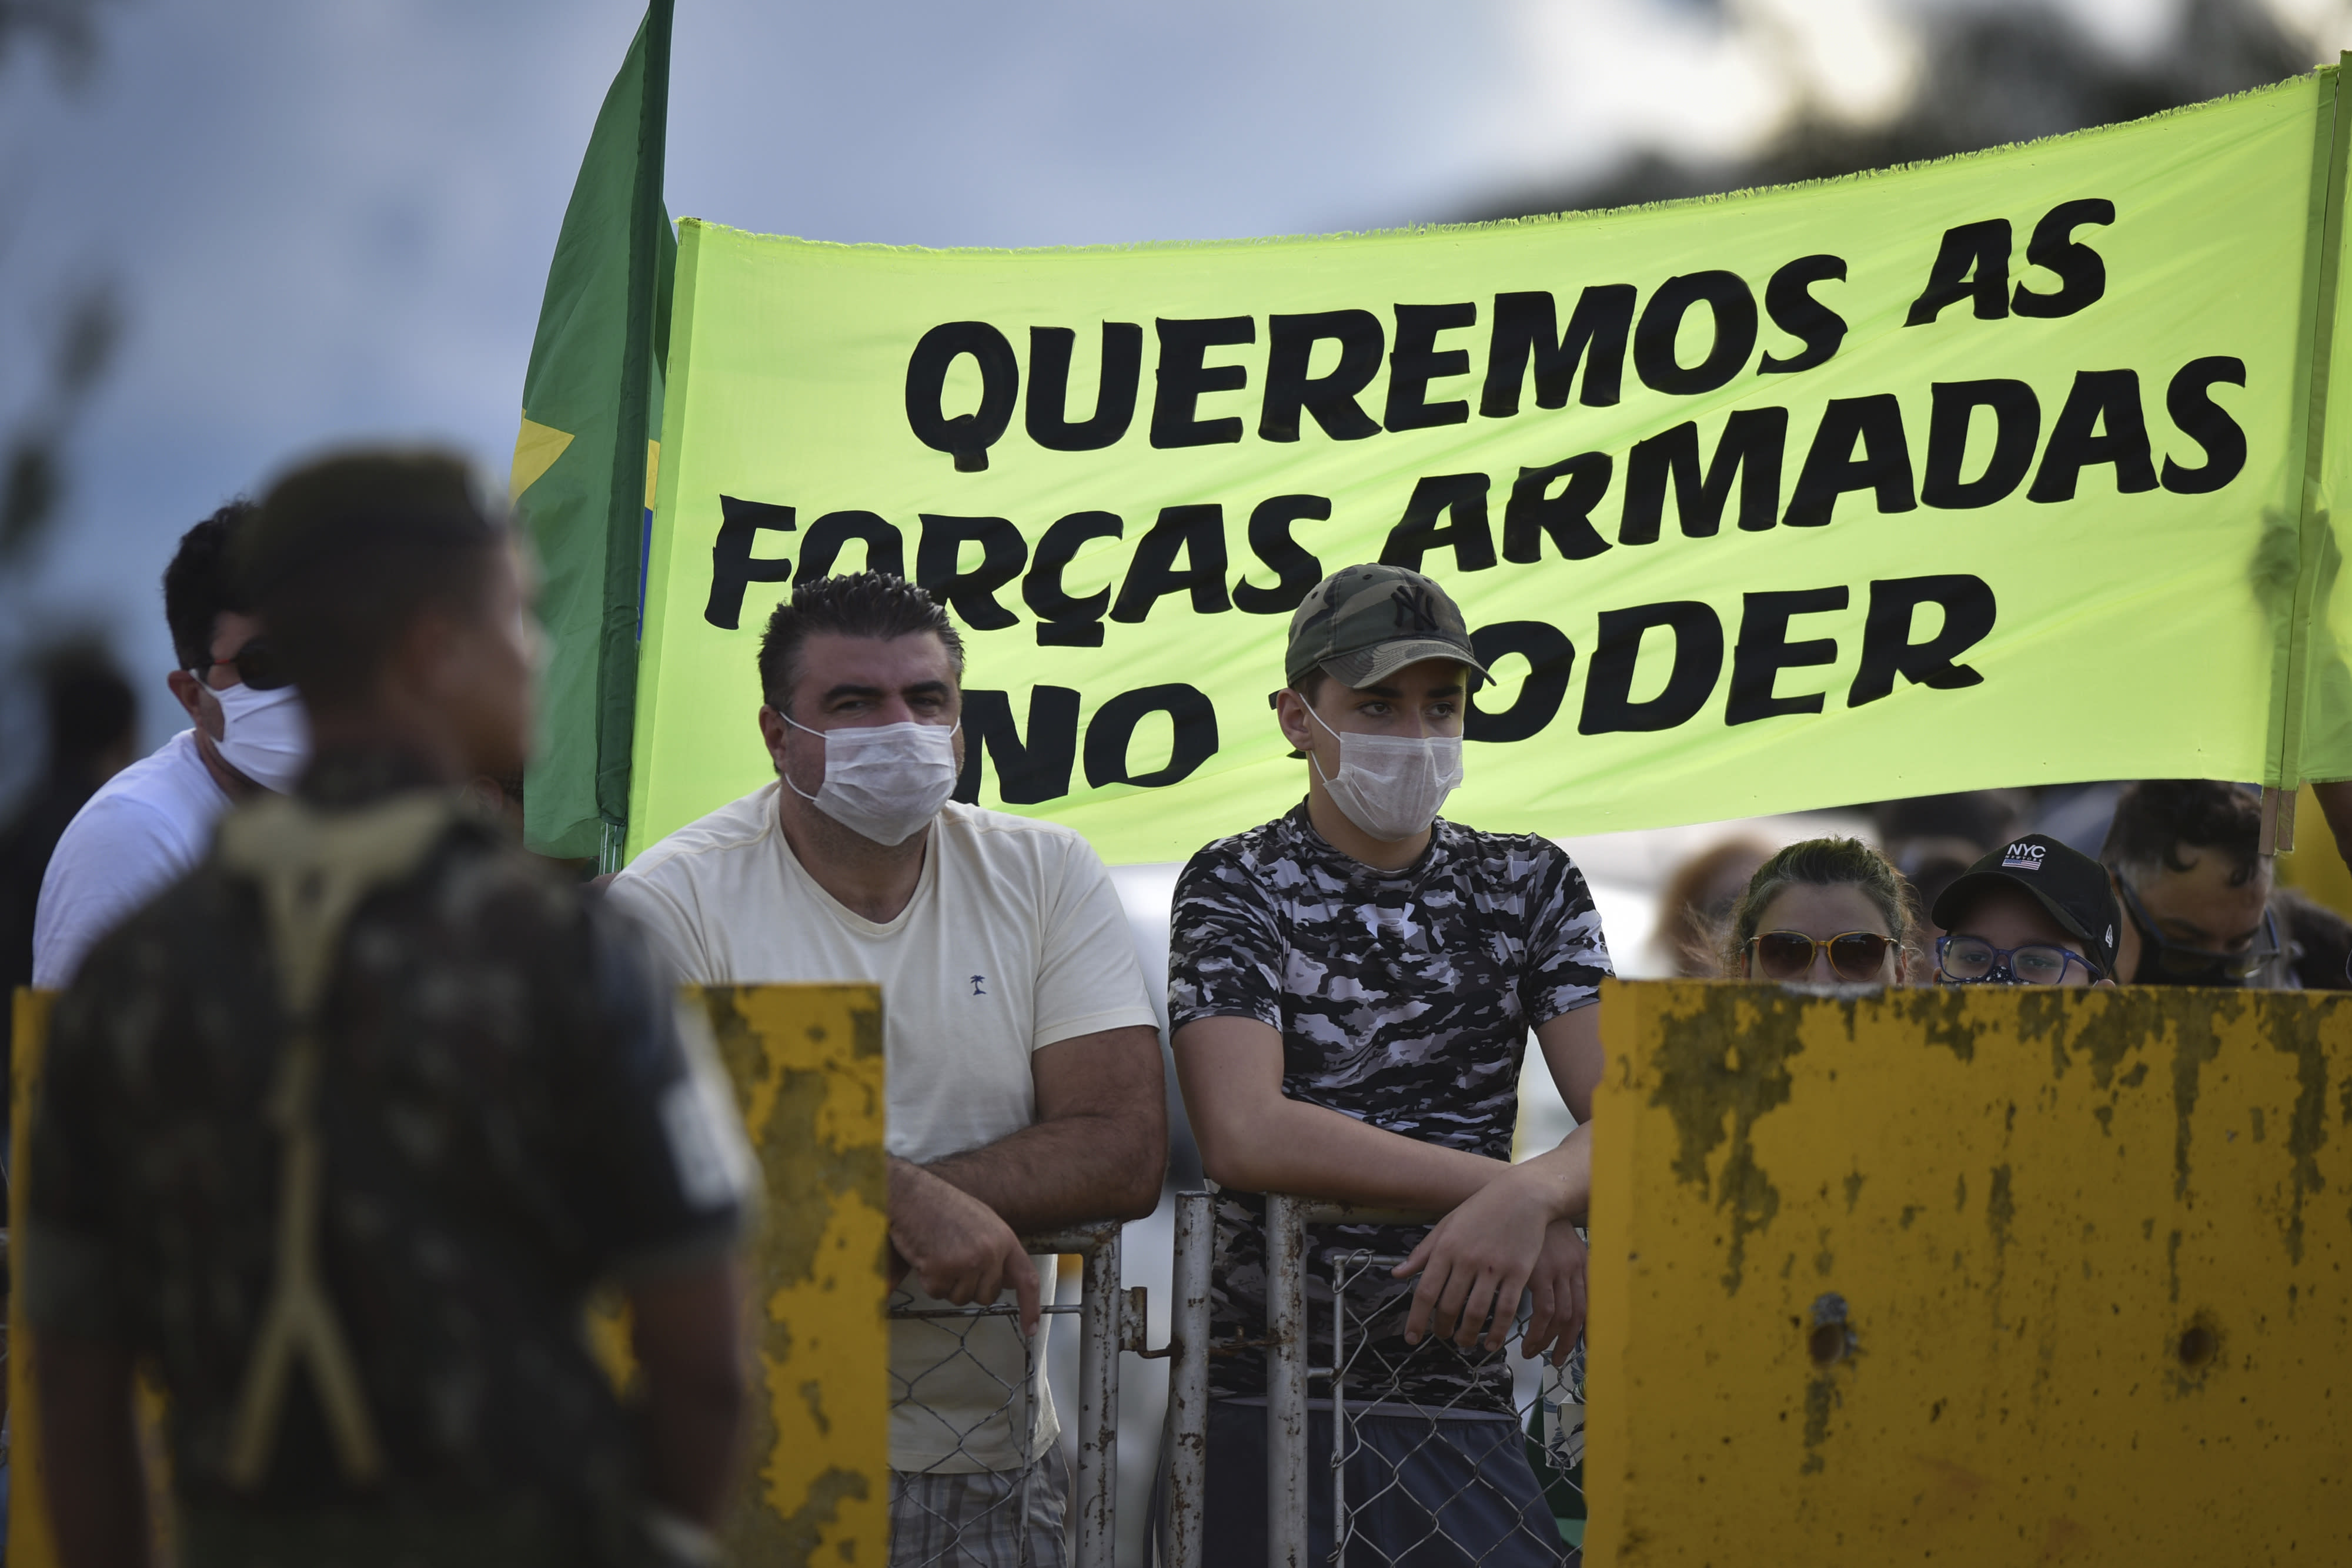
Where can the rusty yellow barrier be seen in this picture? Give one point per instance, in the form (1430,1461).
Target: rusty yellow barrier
(30,1544)
(806,1063)
(1975,1276)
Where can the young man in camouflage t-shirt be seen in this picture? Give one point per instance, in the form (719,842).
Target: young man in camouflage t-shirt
(1352,987)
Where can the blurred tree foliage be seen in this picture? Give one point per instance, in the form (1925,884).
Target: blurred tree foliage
(32,463)
(1987,77)
(78,324)
(84,328)
(66,30)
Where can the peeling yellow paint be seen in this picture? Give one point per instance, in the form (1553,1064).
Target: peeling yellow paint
(806,1062)
(32,1544)
(2082,1313)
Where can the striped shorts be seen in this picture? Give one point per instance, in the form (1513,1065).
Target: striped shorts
(990,1518)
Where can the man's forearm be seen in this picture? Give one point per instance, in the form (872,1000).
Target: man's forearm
(686,1331)
(1289,1146)
(97,1486)
(693,1432)
(1063,1172)
(1563,1174)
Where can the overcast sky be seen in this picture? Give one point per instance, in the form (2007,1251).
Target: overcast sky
(332,220)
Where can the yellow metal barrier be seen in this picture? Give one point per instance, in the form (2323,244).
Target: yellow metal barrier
(30,1543)
(1974,1276)
(806,1062)
(2000,1276)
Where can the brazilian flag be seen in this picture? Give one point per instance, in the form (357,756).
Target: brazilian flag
(585,462)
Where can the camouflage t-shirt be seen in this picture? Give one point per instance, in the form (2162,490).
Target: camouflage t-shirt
(509,1114)
(1404,999)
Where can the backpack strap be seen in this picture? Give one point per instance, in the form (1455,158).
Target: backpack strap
(313,869)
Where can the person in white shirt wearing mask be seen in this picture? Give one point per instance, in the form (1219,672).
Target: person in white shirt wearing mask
(154,821)
(1025,1084)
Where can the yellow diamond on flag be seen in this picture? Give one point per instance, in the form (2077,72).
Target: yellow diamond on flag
(537,446)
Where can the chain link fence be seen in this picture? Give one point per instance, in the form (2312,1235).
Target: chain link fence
(1432,1456)
(983,1522)
(1417,1461)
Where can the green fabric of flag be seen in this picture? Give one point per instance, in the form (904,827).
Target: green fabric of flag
(584,462)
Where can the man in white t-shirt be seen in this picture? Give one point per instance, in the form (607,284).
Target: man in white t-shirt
(1025,1091)
(154,821)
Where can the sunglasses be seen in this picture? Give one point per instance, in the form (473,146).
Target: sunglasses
(1789,954)
(256,663)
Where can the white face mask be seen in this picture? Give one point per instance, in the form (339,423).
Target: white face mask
(265,735)
(884,781)
(1391,785)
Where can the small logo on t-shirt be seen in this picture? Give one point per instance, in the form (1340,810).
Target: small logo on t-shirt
(976,989)
(2023,857)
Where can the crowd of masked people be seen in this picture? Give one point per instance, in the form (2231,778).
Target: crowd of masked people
(348,1102)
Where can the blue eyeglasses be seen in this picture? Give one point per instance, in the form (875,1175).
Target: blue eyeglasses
(1973,961)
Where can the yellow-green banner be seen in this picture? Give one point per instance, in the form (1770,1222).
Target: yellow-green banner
(2003,470)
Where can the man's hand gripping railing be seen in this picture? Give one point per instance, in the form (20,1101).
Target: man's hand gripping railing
(1548,1316)
(1111,1320)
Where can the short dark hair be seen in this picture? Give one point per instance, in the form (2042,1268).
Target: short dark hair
(877,605)
(91,709)
(344,553)
(199,584)
(2155,817)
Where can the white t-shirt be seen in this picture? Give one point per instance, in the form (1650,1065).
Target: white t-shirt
(1014,939)
(144,828)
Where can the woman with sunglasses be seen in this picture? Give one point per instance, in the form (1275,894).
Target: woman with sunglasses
(1825,911)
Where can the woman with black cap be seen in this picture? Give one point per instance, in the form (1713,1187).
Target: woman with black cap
(2033,913)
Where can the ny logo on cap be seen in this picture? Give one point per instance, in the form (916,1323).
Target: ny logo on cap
(1415,610)
(2023,857)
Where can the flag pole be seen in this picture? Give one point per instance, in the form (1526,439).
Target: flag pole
(630,531)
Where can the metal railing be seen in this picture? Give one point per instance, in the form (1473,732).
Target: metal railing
(1186,1442)
(1356,1385)
(1111,1318)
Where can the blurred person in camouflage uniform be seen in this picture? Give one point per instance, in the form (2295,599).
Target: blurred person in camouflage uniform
(1350,988)
(337,1131)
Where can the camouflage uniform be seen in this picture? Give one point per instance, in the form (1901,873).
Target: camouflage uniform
(1404,999)
(507,1113)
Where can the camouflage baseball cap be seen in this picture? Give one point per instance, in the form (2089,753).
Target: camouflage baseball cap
(1364,622)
